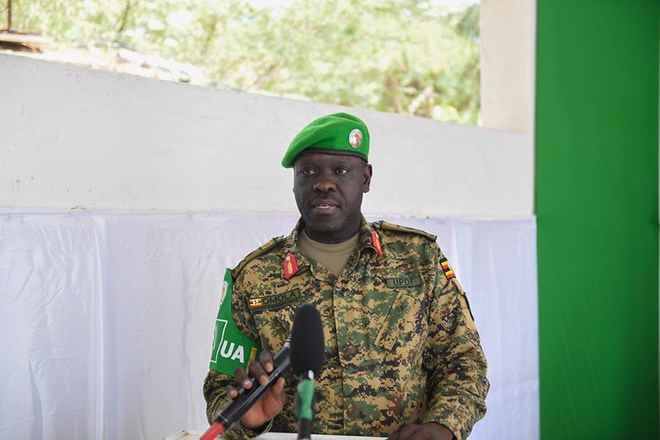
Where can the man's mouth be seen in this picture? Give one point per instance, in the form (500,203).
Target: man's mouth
(324,206)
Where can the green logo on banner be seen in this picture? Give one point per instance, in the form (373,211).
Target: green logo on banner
(231,348)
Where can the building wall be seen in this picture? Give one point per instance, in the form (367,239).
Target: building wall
(79,138)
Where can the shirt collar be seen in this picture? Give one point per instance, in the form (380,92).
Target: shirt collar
(364,241)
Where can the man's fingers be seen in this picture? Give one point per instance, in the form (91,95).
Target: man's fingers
(242,379)
(406,433)
(425,431)
(231,391)
(278,387)
(257,371)
(274,400)
(266,360)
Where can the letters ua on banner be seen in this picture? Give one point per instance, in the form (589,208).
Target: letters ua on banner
(231,348)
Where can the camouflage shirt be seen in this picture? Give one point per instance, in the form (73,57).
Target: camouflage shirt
(400,343)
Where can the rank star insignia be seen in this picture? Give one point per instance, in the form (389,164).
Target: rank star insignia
(355,138)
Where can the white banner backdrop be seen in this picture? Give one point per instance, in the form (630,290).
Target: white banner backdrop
(106,318)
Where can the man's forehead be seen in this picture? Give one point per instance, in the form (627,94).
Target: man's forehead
(323,156)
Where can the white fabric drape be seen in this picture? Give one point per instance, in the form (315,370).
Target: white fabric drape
(106,319)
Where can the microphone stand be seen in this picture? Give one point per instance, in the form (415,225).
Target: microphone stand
(305,401)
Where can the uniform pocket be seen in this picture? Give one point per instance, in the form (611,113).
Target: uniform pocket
(404,329)
(274,325)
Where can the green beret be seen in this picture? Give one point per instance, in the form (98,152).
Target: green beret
(338,133)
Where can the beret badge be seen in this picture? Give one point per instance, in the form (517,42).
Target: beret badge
(355,138)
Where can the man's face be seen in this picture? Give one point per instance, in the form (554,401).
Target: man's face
(328,190)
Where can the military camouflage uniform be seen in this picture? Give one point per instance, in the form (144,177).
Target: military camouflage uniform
(400,343)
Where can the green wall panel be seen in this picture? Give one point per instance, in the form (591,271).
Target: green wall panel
(597,214)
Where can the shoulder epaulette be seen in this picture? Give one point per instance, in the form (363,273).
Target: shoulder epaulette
(270,244)
(387,226)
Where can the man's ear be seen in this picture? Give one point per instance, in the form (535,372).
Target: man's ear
(367,172)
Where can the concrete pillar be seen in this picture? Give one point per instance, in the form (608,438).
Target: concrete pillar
(507,64)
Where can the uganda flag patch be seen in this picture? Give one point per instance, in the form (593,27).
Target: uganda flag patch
(255,303)
(446,268)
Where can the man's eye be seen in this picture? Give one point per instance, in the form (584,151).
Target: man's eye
(341,171)
(307,171)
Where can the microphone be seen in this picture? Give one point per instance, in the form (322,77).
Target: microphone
(307,357)
(236,408)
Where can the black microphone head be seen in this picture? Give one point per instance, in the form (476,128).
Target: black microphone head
(307,343)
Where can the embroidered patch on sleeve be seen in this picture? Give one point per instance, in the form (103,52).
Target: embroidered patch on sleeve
(446,268)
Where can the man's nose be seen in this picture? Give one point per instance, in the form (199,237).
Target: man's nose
(325,183)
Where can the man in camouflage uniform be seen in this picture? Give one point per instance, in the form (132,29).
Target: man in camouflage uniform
(403,356)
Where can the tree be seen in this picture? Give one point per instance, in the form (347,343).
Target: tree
(404,56)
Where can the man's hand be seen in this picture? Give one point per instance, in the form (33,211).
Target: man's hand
(271,403)
(425,431)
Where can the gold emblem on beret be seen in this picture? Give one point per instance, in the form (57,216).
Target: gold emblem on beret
(355,138)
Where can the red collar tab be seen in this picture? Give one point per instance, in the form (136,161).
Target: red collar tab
(290,266)
(375,240)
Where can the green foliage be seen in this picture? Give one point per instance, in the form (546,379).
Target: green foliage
(404,56)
